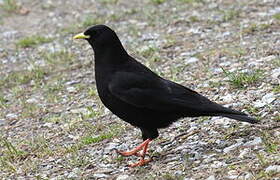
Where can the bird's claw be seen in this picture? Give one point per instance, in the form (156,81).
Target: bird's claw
(142,162)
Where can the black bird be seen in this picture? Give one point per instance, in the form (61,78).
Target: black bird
(139,96)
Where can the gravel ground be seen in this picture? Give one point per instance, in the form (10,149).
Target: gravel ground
(53,125)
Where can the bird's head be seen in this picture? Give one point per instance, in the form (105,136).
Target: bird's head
(99,36)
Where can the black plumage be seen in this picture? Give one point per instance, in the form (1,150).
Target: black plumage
(139,96)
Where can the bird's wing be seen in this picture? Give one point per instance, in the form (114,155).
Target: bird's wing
(155,93)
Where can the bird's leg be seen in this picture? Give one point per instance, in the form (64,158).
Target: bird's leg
(142,161)
(143,145)
(135,152)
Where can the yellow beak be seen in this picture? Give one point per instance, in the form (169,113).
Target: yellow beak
(81,36)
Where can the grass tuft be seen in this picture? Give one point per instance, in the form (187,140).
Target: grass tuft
(10,6)
(241,79)
(158,1)
(32,41)
(276,16)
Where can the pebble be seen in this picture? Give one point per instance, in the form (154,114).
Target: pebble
(79,110)
(232,147)
(248,176)
(100,175)
(191,60)
(275,74)
(110,146)
(211,178)
(274,168)
(254,142)
(75,173)
(227,98)
(123,177)
(32,100)
(266,99)
(71,89)
(2,122)
(11,116)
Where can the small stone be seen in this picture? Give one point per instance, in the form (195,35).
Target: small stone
(123,177)
(2,122)
(259,104)
(233,174)
(49,125)
(268,98)
(243,153)
(227,98)
(69,83)
(100,175)
(74,173)
(273,168)
(71,89)
(110,147)
(191,60)
(275,74)
(248,176)
(79,111)
(254,142)
(32,100)
(232,147)
(211,178)
(11,116)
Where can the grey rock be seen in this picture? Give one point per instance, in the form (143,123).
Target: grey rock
(100,175)
(273,168)
(232,147)
(275,74)
(254,142)
(71,89)
(211,178)
(248,176)
(11,116)
(191,60)
(268,98)
(123,177)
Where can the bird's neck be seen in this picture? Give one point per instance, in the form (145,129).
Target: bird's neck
(115,54)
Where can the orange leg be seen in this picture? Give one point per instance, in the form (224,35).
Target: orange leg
(135,152)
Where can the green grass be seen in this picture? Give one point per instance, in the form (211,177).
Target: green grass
(242,80)
(255,28)
(3,101)
(191,1)
(89,139)
(90,21)
(229,15)
(23,77)
(157,1)
(62,57)
(10,6)
(277,16)
(32,41)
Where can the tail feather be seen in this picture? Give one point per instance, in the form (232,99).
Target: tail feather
(237,115)
(241,117)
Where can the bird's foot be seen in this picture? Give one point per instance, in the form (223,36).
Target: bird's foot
(142,162)
(129,153)
(136,150)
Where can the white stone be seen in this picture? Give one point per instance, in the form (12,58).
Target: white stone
(211,178)
(191,60)
(32,100)
(254,142)
(275,168)
(232,147)
(268,98)
(11,116)
(71,89)
(275,74)
(123,177)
